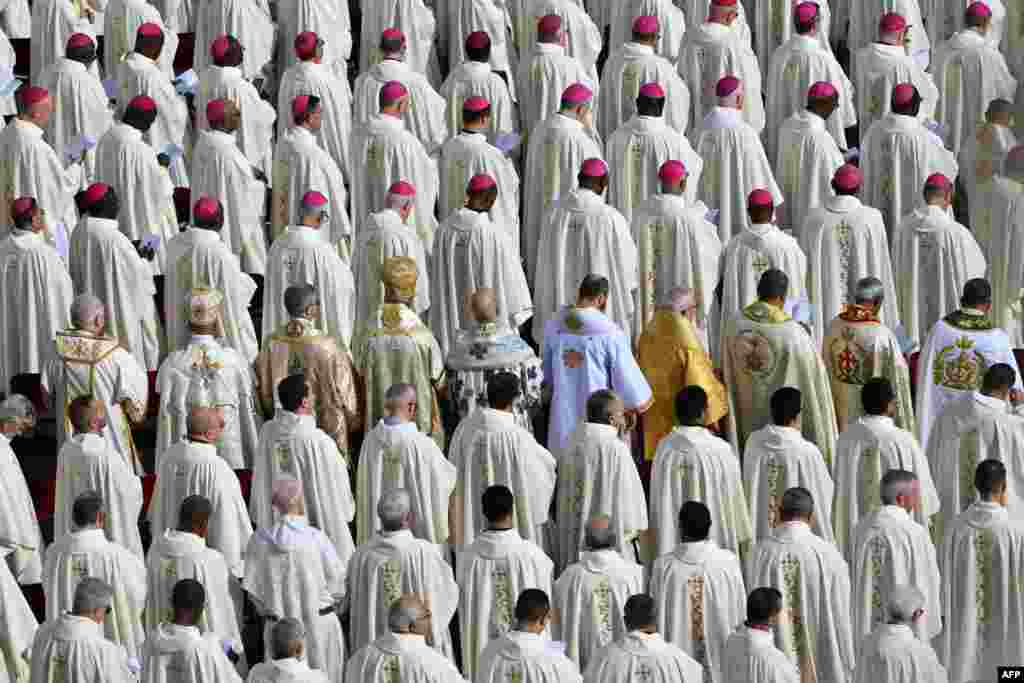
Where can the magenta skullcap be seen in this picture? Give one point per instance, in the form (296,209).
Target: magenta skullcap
(727,85)
(393,34)
(475,104)
(481,182)
(903,94)
(94,193)
(979,10)
(149,30)
(79,40)
(478,40)
(392,92)
(143,103)
(300,105)
(645,25)
(22,207)
(892,23)
(848,178)
(306,44)
(215,110)
(760,199)
(220,47)
(549,25)
(577,94)
(402,188)
(724,3)
(314,200)
(32,94)
(806,12)
(206,209)
(822,89)
(594,168)
(672,171)
(652,90)
(937,181)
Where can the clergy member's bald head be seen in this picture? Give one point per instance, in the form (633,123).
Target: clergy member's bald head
(599,533)
(287,639)
(301,300)
(400,403)
(394,509)
(900,487)
(641,613)
(409,615)
(797,505)
(990,480)
(694,522)
(205,424)
(906,604)
(88,313)
(483,305)
(93,597)
(87,415)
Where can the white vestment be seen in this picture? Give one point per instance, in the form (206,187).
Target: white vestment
(229,379)
(258,116)
(221,171)
(597,476)
(121,20)
(8,58)
(103,262)
(677,246)
(87,463)
(806,159)
(332,23)
(711,51)
(21,540)
(583,235)
(489,448)
(87,552)
(247,20)
(17,628)
(543,77)
(292,447)
(1006,272)
(795,67)
(584,37)
(628,68)
(193,468)
(300,165)
(893,653)
(471,79)
(878,68)
(935,257)
(471,253)
(636,151)
(870,446)
(466,16)
(182,654)
(864,18)
(734,165)
(671,24)
(393,564)
(751,657)
(384,235)
(83,364)
(465,155)
(814,630)
(74,648)
(558,147)
(307,78)
(691,463)
(644,657)
(952,364)
(982,604)
(29,167)
(589,598)
(414,18)
(492,572)
(774,26)
(304,255)
(385,152)
(144,189)
(404,654)
(897,155)
(80,108)
(970,74)
(177,555)
(290,669)
(982,156)
(198,258)
(139,75)
(425,117)
(891,549)
(775,460)
(527,657)
(53,22)
(844,241)
(292,570)
(700,598)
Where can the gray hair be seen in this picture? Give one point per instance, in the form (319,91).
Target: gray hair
(18,409)
(678,299)
(399,392)
(402,615)
(904,600)
(392,509)
(284,635)
(84,309)
(896,483)
(92,594)
(298,298)
(869,290)
(599,533)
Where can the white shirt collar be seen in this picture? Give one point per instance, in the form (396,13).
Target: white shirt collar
(842,203)
(996,404)
(548,49)
(894,50)
(388,121)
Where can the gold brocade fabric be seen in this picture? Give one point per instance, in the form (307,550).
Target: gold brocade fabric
(671,358)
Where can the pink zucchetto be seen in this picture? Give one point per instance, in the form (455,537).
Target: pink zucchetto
(478,40)
(314,200)
(806,12)
(760,199)
(822,89)
(79,40)
(903,94)
(94,193)
(481,182)
(392,92)
(402,188)
(672,171)
(937,181)
(892,23)
(220,47)
(594,168)
(22,207)
(652,90)
(549,25)
(848,178)
(646,25)
(979,10)
(577,94)
(149,30)
(143,103)
(215,110)
(727,85)
(393,35)
(306,44)
(206,209)
(32,94)
(475,104)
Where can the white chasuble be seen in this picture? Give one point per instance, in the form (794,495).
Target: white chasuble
(981,157)
(893,653)
(425,117)
(399,656)
(183,654)
(1006,271)
(880,67)
(644,657)
(80,108)
(384,235)
(806,159)
(520,655)
(335,133)
(75,647)
(21,540)
(628,68)
(710,51)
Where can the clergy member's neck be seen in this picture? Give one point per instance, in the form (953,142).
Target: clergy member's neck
(777,302)
(758,627)
(28,119)
(501,524)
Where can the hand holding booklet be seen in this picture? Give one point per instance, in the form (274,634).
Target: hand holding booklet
(187,82)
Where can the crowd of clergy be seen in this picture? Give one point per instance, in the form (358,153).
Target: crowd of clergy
(511,341)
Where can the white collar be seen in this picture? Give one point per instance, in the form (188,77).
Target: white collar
(28,128)
(812,120)
(996,404)
(89,533)
(202,339)
(894,50)
(142,58)
(760,636)
(203,235)
(388,121)
(893,511)
(843,203)
(301,131)
(880,420)
(72,65)
(569,121)
(476,69)
(805,42)
(129,131)
(405,427)
(207,449)
(637,49)
(548,49)
(501,415)
(228,71)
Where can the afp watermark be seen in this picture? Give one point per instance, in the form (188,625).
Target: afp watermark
(1014,674)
